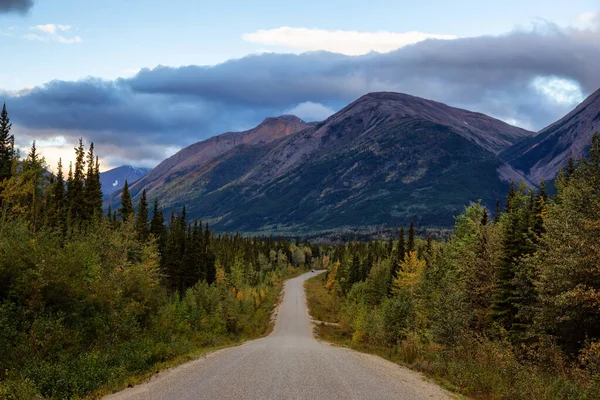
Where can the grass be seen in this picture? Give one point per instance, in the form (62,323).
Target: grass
(323,305)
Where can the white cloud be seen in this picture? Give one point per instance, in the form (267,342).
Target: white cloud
(310,111)
(343,42)
(589,17)
(559,90)
(53,32)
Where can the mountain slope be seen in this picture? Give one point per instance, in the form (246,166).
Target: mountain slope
(114,179)
(543,155)
(385,159)
(202,157)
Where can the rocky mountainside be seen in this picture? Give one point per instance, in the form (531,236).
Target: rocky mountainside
(114,179)
(385,159)
(543,155)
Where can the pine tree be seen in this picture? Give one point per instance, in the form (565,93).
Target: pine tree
(497,212)
(411,238)
(57,218)
(93,190)
(33,173)
(210,270)
(484,218)
(429,250)
(141,220)
(126,203)
(75,188)
(157,226)
(7,146)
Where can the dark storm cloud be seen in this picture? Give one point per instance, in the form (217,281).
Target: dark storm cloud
(20,6)
(178,106)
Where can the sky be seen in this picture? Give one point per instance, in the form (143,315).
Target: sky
(143,79)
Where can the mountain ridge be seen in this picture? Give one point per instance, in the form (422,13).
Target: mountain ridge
(543,155)
(385,159)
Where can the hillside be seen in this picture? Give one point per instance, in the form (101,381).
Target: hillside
(113,180)
(543,155)
(385,159)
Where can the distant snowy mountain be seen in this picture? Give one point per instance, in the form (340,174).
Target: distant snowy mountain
(114,179)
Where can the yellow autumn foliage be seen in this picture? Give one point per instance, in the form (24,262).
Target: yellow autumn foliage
(331,284)
(411,272)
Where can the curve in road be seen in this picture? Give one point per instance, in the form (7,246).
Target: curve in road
(288,364)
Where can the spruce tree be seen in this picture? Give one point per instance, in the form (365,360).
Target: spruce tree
(93,190)
(141,219)
(157,226)
(76,195)
(401,246)
(497,212)
(56,200)
(7,146)
(411,238)
(210,270)
(126,203)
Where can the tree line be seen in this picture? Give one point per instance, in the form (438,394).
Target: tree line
(89,298)
(508,307)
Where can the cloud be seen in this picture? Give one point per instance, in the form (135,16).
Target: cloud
(53,32)
(310,111)
(18,6)
(530,78)
(342,42)
(589,17)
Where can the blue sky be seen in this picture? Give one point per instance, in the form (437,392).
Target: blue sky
(495,58)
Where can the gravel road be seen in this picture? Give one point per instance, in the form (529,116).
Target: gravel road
(288,364)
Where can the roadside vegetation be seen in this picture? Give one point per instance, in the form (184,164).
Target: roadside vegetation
(507,308)
(90,301)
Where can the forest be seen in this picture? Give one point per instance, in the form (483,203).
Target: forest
(91,301)
(507,308)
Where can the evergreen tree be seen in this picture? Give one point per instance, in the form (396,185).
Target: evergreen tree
(210,270)
(411,238)
(497,212)
(93,189)
(157,226)
(484,218)
(126,203)
(56,201)
(141,220)
(401,246)
(7,146)
(75,188)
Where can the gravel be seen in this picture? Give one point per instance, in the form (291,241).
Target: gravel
(288,364)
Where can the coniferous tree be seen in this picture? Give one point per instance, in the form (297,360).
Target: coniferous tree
(210,270)
(401,246)
(126,203)
(56,201)
(157,226)
(484,218)
(93,189)
(411,238)
(141,219)
(33,173)
(7,146)
(497,212)
(75,188)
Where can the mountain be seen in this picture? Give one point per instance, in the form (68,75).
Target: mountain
(385,159)
(212,162)
(543,155)
(114,179)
